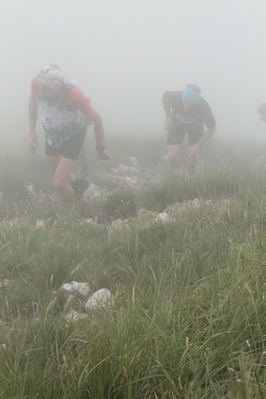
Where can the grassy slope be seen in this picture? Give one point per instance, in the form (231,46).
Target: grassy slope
(189,314)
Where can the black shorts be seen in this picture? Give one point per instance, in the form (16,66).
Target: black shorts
(69,149)
(177,133)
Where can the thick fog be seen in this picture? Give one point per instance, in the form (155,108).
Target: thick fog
(126,53)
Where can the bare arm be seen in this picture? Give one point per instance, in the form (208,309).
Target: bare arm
(194,150)
(207,135)
(99,135)
(32,112)
(86,118)
(77,100)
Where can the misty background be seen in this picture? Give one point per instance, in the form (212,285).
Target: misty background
(127,53)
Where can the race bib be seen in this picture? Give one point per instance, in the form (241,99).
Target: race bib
(185,119)
(51,122)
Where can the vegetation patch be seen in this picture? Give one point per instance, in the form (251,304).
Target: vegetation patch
(187,315)
(121,204)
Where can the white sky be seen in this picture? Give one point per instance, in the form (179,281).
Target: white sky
(126,53)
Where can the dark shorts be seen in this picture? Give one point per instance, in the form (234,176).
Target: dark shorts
(69,149)
(177,134)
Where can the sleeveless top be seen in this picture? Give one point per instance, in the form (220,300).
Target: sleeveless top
(59,124)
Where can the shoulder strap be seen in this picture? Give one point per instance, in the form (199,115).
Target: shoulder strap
(63,97)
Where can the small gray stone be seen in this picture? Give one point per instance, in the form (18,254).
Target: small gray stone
(39,224)
(128,169)
(117,224)
(163,217)
(72,316)
(195,202)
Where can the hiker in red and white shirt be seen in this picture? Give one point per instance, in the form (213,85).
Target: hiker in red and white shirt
(58,104)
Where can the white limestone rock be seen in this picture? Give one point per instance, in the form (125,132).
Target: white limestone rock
(164,218)
(128,169)
(134,162)
(81,288)
(67,289)
(99,299)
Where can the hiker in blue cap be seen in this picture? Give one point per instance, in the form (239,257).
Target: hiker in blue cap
(187,112)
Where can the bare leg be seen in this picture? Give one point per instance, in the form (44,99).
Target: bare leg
(60,169)
(72,178)
(52,164)
(192,164)
(173,156)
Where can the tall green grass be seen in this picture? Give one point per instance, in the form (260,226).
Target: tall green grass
(188,318)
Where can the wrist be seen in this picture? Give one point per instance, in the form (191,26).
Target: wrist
(198,145)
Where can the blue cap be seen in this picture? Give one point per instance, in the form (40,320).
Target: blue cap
(193,96)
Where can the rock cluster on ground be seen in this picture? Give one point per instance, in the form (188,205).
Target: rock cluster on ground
(97,300)
(130,176)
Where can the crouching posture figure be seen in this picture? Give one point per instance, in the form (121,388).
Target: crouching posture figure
(187,112)
(57,103)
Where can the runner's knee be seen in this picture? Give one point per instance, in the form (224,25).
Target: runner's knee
(59,183)
(173,158)
(172,154)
